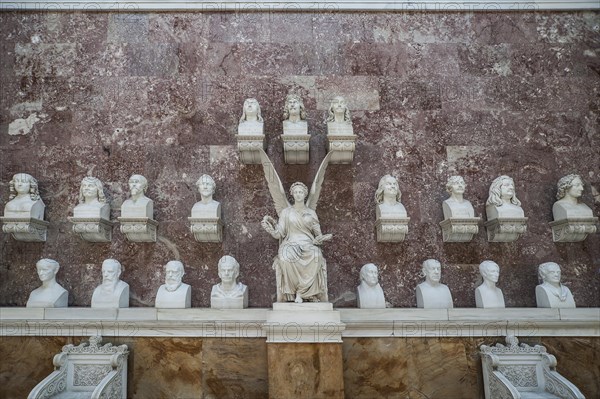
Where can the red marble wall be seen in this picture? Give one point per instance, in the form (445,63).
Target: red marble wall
(478,94)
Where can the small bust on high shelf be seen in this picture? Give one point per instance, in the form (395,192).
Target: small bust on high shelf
(138,205)
(431,294)
(551,293)
(338,118)
(92,201)
(24,200)
(506,220)
(50,294)
(229,293)
(369,292)
(251,122)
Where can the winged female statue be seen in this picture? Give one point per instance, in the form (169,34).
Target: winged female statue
(300,268)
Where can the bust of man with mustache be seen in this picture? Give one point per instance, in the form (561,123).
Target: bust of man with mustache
(113,292)
(174,294)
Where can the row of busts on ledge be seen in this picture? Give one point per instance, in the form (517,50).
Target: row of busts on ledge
(506,221)
(295,137)
(231,294)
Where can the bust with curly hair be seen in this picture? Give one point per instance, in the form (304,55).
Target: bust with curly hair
(338,118)
(251,121)
(569,205)
(92,200)
(294,115)
(456,206)
(387,198)
(24,199)
(502,201)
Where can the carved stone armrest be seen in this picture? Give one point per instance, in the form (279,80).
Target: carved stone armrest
(55,383)
(556,384)
(109,387)
(499,386)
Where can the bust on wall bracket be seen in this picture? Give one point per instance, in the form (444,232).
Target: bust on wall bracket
(460,223)
(24,212)
(295,131)
(250,137)
(137,213)
(91,218)
(340,133)
(573,220)
(205,222)
(391,217)
(506,219)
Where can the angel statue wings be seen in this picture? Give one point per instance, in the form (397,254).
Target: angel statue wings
(300,268)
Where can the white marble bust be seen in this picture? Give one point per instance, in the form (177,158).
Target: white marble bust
(113,292)
(388,197)
(502,201)
(487,295)
(251,121)
(339,122)
(569,205)
(294,116)
(229,294)
(92,201)
(24,200)
(174,294)
(50,294)
(138,206)
(551,293)
(431,294)
(456,206)
(369,292)
(207,207)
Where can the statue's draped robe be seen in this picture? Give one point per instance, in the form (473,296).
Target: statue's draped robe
(299,265)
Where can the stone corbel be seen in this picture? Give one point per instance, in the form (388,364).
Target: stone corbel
(206,230)
(391,230)
(249,147)
(93,229)
(459,229)
(343,148)
(25,229)
(139,229)
(505,229)
(296,148)
(573,229)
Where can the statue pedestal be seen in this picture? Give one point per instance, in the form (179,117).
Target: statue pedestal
(573,229)
(459,229)
(93,229)
(343,148)
(291,322)
(206,229)
(25,229)
(505,229)
(296,148)
(139,229)
(391,230)
(249,147)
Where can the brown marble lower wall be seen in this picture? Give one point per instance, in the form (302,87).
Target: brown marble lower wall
(201,368)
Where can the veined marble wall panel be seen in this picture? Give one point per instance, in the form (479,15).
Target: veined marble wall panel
(431,95)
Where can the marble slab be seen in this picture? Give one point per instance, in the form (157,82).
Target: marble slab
(21,313)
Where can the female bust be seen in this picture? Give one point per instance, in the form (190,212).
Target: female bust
(456,206)
(24,200)
(502,201)
(294,115)
(92,201)
(50,294)
(388,197)
(251,121)
(570,188)
(338,118)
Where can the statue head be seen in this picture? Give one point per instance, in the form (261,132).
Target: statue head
(490,271)
(388,185)
(137,184)
(22,183)
(173,274)
(229,269)
(299,191)
(571,185)
(294,106)
(338,106)
(502,187)
(456,184)
(369,274)
(47,269)
(111,272)
(251,108)
(91,188)
(549,272)
(432,270)
(206,186)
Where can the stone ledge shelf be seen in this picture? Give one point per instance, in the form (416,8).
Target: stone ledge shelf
(206,230)
(573,229)
(343,148)
(249,148)
(92,229)
(139,229)
(459,229)
(505,229)
(25,229)
(296,148)
(250,323)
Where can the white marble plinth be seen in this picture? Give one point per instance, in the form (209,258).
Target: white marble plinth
(391,230)
(505,229)
(573,229)
(139,229)
(92,229)
(249,146)
(343,148)
(296,148)
(230,303)
(25,229)
(459,229)
(303,322)
(206,230)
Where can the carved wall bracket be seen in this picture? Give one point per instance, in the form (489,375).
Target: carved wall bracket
(296,148)
(249,147)
(459,229)
(206,230)
(343,148)
(139,229)
(505,229)
(391,230)
(93,229)
(25,229)
(573,229)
